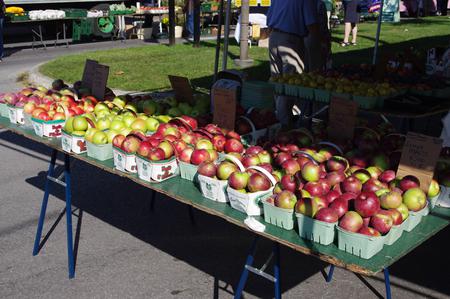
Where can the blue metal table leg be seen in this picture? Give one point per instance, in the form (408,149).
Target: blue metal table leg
(69,216)
(276,270)
(244,275)
(330,273)
(387,282)
(51,169)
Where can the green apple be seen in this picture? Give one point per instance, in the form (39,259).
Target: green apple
(79,123)
(117,125)
(164,118)
(111,134)
(131,106)
(79,133)
(139,125)
(103,123)
(115,110)
(100,138)
(90,134)
(119,102)
(149,107)
(91,116)
(128,120)
(103,113)
(174,111)
(100,106)
(152,124)
(111,117)
(185,108)
(118,117)
(125,131)
(142,116)
(68,127)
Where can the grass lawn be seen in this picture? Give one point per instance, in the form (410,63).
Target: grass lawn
(147,67)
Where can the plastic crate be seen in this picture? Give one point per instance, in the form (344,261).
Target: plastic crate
(51,129)
(257,94)
(322,95)
(248,203)
(358,244)
(124,161)
(291,90)
(188,171)
(315,230)
(395,233)
(73,143)
(100,152)
(366,102)
(15,115)
(283,218)
(305,93)
(27,120)
(213,189)
(415,218)
(279,87)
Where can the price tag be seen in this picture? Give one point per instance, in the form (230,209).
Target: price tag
(419,157)
(265,2)
(89,73)
(253,2)
(183,89)
(224,102)
(238,3)
(100,81)
(342,118)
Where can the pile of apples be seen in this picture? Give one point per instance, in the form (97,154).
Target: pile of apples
(49,104)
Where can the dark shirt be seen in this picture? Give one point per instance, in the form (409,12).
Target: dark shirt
(2,9)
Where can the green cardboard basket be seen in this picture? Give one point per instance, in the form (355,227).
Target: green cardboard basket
(100,152)
(283,218)
(358,244)
(366,102)
(395,233)
(315,230)
(415,218)
(305,92)
(4,112)
(188,171)
(322,95)
(291,90)
(279,87)
(433,200)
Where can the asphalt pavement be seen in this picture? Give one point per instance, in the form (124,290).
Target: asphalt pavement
(128,250)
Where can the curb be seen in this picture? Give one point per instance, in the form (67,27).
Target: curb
(36,78)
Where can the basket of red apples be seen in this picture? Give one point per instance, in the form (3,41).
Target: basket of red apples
(124,151)
(279,209)
(246,189)
(156,160)
(191,157)
(213,177)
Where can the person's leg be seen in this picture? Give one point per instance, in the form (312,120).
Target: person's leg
(190,24)
(354,32)
(1,38)
(347,30)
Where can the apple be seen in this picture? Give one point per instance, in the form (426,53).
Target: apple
(382,221)
(321,202)
(314,188)
(434,189)
(265,157)
(80,123)
(208,169)
(331,196)
(351,221)
(311,172)
(340,206)
(366,221)
(139,125)
(200,155)
(391,200)
(337,163)
(367,204)
(381,161)
(218,142)
(374,171)
(144,148)
(156,154)
(335,177)
(117,125)
(167,147)
(29,107)
(99,107)
(131,144)
(307,206)
(225,169)
(285,200)
(415,199)
(351,184)
(409,182)
(369,231)
(118,140)
(110,133)
(403,209)
(68,126)
(253,150)
(204,144)
(327,215)
(233,146)
(250,160)
(362,175)
(99,138)
(186,155)
(348,196)
(258,182)
(151,124)
(281,158)
(373,185)
(238,180)
(288,182)
(387,176)
(90,133)
(37,111)
(396,216)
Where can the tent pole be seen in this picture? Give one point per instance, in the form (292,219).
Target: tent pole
(171,22)
(226,37)
(219,35)
(377,38)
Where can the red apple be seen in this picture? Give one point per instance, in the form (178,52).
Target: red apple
(238,180)
(396,216)
(382,221)
(218,142)
(186,155)
(306,206)
(311,172)
(314,188)
(335,177)
(373,185)
(258,182)
(233,146)
(156,154)
(351,184)
(267,167)
(285,200)
(131,144)
(387,176)
(281,158)
(254,150)
(167,147)
(118,140)
(288,182)
(337,163)
(409,182)
(200,155)
(144,148)
(327,215)
(321,202)
(348,196)
(351,221)
(291,166)
(367,204)
(369,231)
(340,206)
(208,169)
(250,160)
(332,196)
(179,146)
(366,221)
(391,200)
(225,169)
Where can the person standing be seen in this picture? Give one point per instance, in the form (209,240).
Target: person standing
(2,19)
(188,9)
(351,20)
(290,22)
